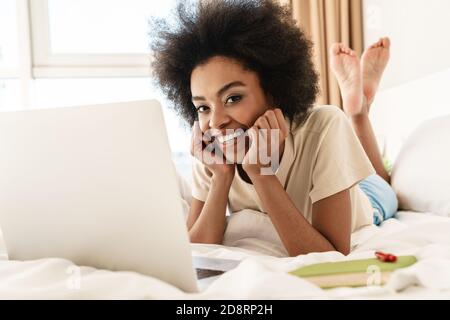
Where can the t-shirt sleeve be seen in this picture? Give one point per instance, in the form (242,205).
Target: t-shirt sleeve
(201,180)
(341,161)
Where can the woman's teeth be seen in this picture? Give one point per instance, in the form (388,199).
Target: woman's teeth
(229,137)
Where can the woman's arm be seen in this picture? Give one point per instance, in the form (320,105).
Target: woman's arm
(331,221)
(206,220)
(331,217)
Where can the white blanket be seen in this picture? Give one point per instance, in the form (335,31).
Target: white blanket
(259,276)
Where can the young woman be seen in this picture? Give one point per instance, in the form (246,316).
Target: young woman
(241,66)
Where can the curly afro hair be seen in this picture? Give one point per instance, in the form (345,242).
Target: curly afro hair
(259,34)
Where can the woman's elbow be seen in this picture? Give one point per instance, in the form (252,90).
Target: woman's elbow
(196,237)
(296,251)
(345,249)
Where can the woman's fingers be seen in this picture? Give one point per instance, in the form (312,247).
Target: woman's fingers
(262,123)
(264,128)
(197,144)
(253,134)
(275,126)
(272,119)
(282,123)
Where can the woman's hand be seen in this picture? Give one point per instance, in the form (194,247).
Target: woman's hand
(267,138)
(211,157)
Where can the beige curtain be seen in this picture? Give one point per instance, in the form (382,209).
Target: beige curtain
(326,22)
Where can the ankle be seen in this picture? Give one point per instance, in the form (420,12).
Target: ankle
(367,103)
(353,105)
(360,118)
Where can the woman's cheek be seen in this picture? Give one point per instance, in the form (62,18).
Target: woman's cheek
(246,115)
(257,109)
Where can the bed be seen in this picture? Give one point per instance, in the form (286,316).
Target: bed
(259,276)
(421,228)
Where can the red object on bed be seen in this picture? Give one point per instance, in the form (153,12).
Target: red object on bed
(385,257)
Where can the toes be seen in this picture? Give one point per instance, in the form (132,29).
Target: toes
(382,43)
(377,44)
(346,50)
(335,48)
(338,48)
(350,52)
(386,42)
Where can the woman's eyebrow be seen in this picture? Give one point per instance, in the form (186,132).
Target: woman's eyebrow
(229,86)
(223,89)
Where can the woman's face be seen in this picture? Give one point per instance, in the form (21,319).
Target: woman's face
(227,97)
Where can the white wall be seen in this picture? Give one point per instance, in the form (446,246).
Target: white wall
(416,83)
(400,110)
(419,32)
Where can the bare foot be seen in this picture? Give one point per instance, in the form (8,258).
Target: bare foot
(346,67)
(373,62)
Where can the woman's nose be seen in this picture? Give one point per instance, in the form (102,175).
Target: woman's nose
(219,118)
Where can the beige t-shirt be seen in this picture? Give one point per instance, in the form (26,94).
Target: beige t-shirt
(322,157)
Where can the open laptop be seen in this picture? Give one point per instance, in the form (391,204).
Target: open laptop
(96,185)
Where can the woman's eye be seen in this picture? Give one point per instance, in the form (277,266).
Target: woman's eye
(202,109)
(233,99)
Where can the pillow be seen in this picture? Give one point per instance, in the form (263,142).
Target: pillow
(421,173)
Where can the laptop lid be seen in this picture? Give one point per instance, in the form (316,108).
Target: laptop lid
(95,185)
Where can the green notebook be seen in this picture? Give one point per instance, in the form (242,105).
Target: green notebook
(352,273)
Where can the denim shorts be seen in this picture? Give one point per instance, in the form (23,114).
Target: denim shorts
(381,196)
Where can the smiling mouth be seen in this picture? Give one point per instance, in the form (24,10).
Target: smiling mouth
(224,139)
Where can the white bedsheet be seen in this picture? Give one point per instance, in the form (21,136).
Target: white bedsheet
(258,276)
